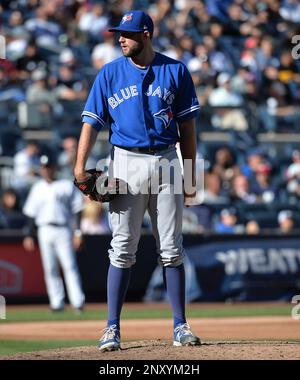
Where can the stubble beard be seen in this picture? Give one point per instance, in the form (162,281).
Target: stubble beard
(135,51)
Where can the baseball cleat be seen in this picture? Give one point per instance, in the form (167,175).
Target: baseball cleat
(57,309)
(79,310)
(183,336)
(110,340)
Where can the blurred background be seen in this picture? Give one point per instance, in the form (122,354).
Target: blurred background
(243,239)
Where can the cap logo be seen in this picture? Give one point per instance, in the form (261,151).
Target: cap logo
(127,18)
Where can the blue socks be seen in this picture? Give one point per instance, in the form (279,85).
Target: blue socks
(174,280)
(117,285)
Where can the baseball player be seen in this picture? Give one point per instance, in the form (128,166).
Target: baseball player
(149,102)
(52,205)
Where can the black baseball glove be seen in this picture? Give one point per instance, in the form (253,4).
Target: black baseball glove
(98,186)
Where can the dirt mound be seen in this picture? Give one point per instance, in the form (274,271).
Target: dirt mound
(219,329)
(156,349)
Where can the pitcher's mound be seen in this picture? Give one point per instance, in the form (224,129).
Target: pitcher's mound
(163,350)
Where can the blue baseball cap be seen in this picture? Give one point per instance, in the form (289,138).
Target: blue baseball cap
(135,21)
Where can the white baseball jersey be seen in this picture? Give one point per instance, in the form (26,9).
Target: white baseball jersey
(53,202)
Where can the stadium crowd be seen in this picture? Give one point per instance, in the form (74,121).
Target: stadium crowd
(245,65)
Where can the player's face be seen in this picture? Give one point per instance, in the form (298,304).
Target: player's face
(132,43)
(48,172)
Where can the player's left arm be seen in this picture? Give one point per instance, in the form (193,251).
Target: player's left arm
(188,148)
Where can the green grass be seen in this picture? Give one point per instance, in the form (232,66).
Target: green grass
(31,315)
(9,347)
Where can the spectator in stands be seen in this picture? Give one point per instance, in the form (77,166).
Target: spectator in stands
(30,61)
(94,20)
(43,29)
(263,185)
(285,221)
(200,18)
(240,79)
(187,47)
(196,62)
(213,193)
(288,74)
(293,173)
(224,166)
(190,223)
(26,167)
(245,82)
(222,96)
(204,214)
(94,219)
(67,158)
(249,54)
(220,60)
(10,83)
(228,222)
(255,158)
(69,86)
(105,52)
(38,92)
(265,53)
(16,42)
(205,80)
(281,109)
(15,22)
(16,35)
(290,10)
(67,58)
(252,227)
(236,18)
(11,216)
(241,190)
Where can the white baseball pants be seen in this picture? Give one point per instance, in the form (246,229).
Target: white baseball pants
(151,189)
(56,248)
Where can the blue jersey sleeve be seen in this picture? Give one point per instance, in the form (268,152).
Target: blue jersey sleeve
(96,110)
(187,103)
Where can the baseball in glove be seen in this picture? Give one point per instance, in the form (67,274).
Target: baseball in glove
(98,186)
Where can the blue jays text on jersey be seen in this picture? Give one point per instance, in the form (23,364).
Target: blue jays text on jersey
(141,106)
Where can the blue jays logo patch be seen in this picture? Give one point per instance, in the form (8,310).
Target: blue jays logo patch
(165,115)
(127,18)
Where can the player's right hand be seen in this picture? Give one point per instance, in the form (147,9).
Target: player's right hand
(81,176)
(28,243)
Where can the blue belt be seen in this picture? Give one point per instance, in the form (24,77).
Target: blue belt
(147,150)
